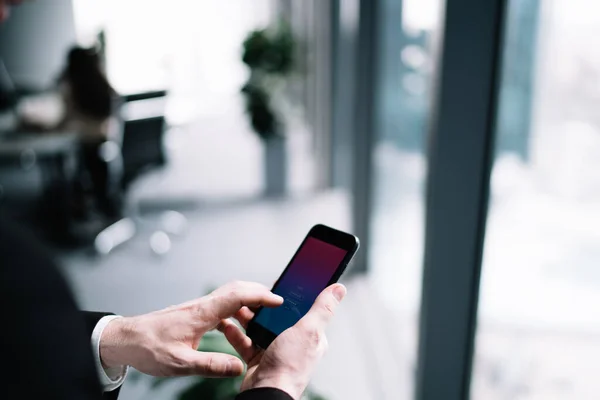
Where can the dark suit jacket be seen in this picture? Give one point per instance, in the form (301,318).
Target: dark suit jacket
(91,319)
(45,339)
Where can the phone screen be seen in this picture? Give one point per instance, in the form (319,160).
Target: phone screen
(308,274)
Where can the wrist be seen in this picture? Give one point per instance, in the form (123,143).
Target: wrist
(114,343)
(283,382)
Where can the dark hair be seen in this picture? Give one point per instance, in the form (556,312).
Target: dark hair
(92,94)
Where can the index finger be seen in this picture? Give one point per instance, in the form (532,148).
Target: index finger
(229,299)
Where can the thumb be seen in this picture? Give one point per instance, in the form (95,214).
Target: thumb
(213,365)
(325,305)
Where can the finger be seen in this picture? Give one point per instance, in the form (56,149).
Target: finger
(238,340)
(229,299)
(210,365)
(255,309)
(244,316)
(325,305)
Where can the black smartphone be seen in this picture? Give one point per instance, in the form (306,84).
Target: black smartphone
(319,261)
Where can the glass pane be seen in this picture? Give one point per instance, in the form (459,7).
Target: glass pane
(539,321)
(408,33)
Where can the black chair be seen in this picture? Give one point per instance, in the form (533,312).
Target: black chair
(135,144)
(8,91)
(139,131)
(143,134)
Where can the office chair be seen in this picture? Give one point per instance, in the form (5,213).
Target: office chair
(142,146)
(8,92)
(139,136)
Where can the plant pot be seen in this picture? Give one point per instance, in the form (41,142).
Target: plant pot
(275,166)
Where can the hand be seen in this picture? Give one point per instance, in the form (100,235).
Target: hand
(289,361)
(164,343)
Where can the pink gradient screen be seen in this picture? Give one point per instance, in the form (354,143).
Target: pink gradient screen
(310,271)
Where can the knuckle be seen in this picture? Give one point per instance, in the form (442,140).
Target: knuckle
(235,289)
(313,335)
(204,316)
(213,367)
(210,365)
(236,285)
(202,309)
(235,296)
(329,309)
(174,365)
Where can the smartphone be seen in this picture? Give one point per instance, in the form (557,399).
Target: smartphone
(319,261)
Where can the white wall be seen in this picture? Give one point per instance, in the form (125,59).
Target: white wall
(35,39)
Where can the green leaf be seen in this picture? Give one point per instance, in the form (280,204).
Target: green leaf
(159,381)
(199,390)
(310,395)
(228,388)
(213,389)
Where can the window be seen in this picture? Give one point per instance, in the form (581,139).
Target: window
(538,326)
(407,35)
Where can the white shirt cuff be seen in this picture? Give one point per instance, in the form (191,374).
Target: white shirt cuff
(111,378)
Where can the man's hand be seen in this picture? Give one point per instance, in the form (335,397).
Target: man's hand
(164,343)
(290,360)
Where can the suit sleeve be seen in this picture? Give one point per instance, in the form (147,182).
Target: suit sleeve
(107,382)
(91,319)
(46,350)
(264,394)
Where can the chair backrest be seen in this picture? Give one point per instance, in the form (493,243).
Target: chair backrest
(7,89)
(143,133)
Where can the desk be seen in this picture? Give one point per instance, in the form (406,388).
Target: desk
(13,144)
(55,155)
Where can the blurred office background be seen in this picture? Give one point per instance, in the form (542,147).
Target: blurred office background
(204,199)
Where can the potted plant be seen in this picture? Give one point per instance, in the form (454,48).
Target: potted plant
(269,54)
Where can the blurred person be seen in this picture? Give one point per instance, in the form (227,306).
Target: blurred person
(88,100)
(87,95)
(46,344)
